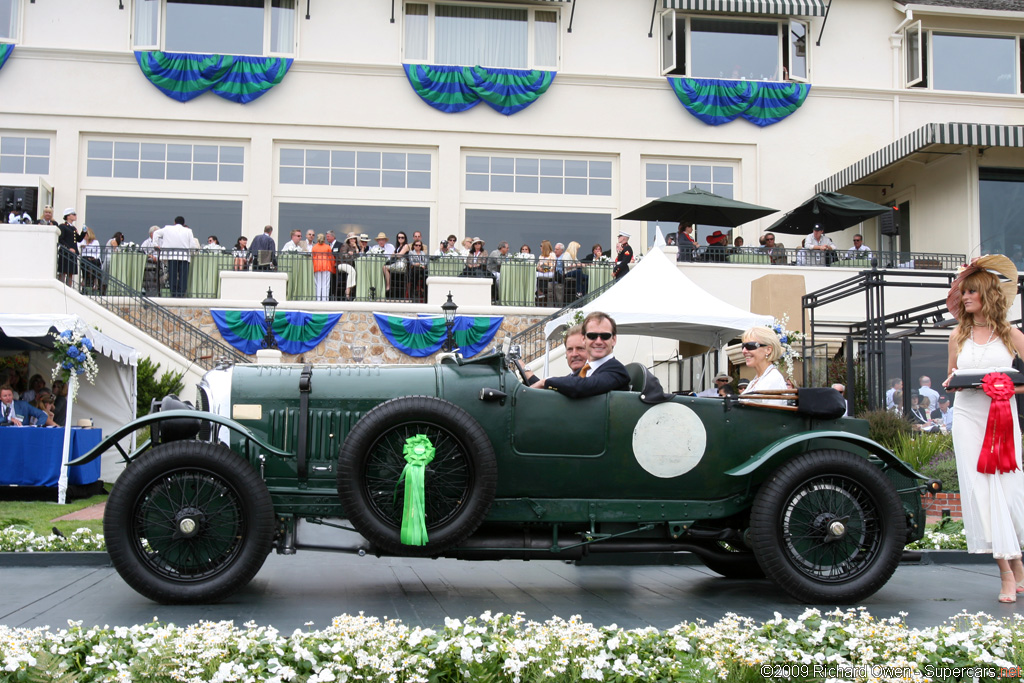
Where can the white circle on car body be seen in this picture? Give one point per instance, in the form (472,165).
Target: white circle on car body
(669,440)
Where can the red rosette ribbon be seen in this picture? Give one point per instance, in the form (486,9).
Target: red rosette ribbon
(998,450)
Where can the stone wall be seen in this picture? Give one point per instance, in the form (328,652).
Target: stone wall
(354,329)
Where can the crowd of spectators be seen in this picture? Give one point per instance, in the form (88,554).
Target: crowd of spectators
(929,410)
(28,402)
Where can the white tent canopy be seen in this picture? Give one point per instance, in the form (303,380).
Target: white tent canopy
(656,300)
(111,402)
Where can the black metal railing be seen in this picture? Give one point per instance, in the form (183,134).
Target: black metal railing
(532,341)
(134,307)
(195,273)
(839,258)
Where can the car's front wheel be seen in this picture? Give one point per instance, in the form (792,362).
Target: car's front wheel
(188,522)
(828,527)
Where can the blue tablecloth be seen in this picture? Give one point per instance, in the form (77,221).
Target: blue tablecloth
(30,456)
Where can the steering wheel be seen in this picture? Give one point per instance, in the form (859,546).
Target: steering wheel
(520,370)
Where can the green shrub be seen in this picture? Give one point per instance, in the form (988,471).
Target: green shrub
(150,387)
(943,467)
(885,427)
(918,448)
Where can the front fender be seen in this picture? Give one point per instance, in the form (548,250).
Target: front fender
(114,438)
(767,457)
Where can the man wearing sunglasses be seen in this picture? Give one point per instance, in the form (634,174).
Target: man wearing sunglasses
(603,372)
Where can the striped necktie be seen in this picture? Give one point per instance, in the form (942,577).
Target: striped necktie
(585,369)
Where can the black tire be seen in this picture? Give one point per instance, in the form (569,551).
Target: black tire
(733,564)
(460,482)
(793,536)
(146,517)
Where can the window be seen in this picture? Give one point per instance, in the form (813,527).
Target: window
(470,35)
(734,49)
(132,216)
(24,155)
(961,62)
(9,20)
(667,177)
(531,227)
(164,161)
(1001,200)
(355,168)
(226,27)
(532,175)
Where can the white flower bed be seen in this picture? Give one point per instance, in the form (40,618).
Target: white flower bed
(19,539)
(939,540)
(839,646)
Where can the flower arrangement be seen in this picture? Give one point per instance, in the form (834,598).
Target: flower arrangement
(526,256)
(603,258)
(836,646)
(129,246)
(375,249)
(72,357)
(787,338)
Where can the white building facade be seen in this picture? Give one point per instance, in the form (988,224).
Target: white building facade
(343,138)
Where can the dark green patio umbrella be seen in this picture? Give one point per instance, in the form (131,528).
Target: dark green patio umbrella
(831,210)
(698,206)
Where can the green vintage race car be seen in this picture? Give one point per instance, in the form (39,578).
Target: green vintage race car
(799,495)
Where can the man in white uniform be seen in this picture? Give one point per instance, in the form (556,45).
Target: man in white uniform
(174,242)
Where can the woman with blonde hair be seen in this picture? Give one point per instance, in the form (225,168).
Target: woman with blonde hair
(546,271)
(987,446)
(761,349)
(323,267)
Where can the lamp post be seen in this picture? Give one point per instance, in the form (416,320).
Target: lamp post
(269,309)
(449,309)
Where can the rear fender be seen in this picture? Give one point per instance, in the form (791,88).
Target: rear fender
(114,439)
(770,457)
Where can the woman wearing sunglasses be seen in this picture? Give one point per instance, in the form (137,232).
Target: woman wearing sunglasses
(761,348)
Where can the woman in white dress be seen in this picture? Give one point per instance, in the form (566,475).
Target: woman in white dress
(761,348)
(992,504)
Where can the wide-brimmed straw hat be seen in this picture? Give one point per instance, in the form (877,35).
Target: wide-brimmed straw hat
(478,239)
(363,237)
(352,236)
(717,236)
(380,236)
(996,264)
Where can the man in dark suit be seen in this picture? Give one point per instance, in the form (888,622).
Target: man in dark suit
(11,409)
(603,372)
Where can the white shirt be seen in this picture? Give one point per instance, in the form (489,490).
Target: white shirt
(858,252)
(291,246)
(770,379)
(595,364)
(824,241)
(176,237)
(933,397)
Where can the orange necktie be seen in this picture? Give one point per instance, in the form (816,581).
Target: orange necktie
(584,369)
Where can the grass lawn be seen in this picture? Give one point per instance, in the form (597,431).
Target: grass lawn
(39,515)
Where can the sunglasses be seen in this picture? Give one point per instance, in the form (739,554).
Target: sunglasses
(752,346)
(603,336)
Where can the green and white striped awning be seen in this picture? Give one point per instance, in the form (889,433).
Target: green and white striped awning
(795,8)
(961,134)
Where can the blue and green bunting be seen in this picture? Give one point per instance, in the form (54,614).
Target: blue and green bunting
(295,332)
(715,101)
(458,88)
(237,78)
(422,336)
(6,49)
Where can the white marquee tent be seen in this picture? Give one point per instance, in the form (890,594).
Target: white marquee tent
(655,299)
(110,402)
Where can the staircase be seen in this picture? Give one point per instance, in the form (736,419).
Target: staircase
(137,309)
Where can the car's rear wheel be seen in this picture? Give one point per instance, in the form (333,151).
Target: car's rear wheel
(188,522)
(459,483)
(828,526)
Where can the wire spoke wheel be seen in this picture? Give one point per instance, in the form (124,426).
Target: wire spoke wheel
(189,522)
(188,525)
(448,478)
(458,484)
(831,529)
(828,526)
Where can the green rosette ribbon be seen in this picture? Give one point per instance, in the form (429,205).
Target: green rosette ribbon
(418,452)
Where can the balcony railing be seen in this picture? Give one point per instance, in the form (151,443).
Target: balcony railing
(839,258)
(118,297)
(369,277)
